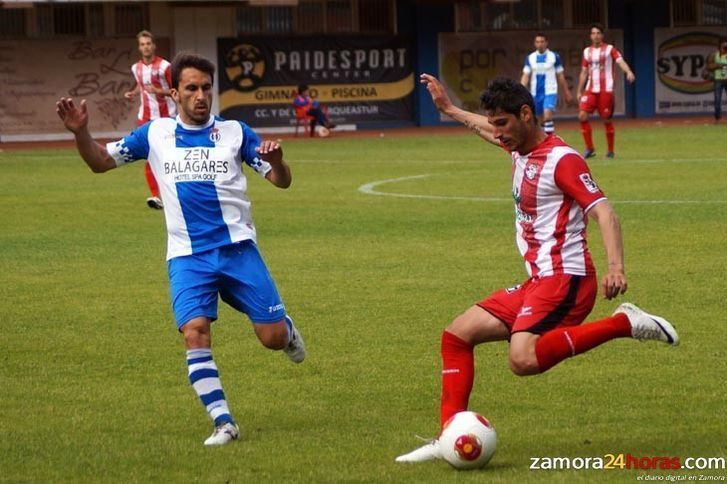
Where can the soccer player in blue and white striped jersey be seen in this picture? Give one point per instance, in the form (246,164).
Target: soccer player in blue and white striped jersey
(212,251)
(542,73)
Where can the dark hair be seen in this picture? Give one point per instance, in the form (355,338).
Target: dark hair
(596,25)
(506,95)
(302,87)
(541,34)
(184,60)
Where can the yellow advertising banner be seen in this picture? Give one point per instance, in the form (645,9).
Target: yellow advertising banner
(377,91)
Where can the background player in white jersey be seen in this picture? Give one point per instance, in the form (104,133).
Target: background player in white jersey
(153,76)
(554,194)
(542,74)
(211,237)
(595,88)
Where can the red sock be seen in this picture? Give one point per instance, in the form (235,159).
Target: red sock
(610,134)
(587,134)
(559,344)
(151,181)
(458,374)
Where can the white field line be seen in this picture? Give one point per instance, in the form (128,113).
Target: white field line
(371,189)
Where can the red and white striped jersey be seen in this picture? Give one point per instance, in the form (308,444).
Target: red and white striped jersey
(159,74)
(553,191)
(600,62)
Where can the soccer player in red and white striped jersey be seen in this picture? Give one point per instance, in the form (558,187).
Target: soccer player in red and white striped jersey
(595,87)
(554,196)
(153,76)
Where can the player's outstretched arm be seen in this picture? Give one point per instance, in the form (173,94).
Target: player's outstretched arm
(272,152)
(625,67)
(476,123)
(75,119)
(614,283)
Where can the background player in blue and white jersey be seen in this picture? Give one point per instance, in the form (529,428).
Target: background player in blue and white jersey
(542,73)
(197,159)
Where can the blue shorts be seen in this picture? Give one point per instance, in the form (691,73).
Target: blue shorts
(545,101)
(236,272)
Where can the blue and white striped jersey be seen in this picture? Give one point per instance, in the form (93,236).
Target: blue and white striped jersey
(199,171)
(543,69)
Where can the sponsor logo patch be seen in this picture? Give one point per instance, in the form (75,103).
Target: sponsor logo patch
(588,182)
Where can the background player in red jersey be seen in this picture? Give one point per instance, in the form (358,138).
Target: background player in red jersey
(595,87)
(153,76)
(554,194)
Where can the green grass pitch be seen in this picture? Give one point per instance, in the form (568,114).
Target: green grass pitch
(92,370)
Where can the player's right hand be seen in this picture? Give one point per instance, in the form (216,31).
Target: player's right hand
(614,283)
(74,118)
(436,90)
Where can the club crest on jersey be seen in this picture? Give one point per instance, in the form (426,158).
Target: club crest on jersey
(588,182)
(215,135)
(531,171)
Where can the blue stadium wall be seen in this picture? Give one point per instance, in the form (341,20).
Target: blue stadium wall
(637,18)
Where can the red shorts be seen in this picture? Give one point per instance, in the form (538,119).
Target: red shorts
(542,304)
(603,101)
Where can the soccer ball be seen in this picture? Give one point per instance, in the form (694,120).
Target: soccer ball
(323,132)
(467,441)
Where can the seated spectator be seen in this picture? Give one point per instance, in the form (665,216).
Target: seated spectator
(310,107)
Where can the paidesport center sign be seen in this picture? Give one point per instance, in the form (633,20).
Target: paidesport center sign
(360,79)
(680,56)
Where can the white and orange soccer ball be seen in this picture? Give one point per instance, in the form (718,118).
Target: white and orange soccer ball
(467,441)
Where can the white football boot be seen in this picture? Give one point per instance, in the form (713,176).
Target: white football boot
(296,347)
(648,326)
(428,451)
(223,434)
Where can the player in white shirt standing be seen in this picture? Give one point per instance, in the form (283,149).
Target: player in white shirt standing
(153,77)
(554,195)
(542,75)
(212,251)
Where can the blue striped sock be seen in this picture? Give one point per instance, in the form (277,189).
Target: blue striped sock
(549,127)
(205,380)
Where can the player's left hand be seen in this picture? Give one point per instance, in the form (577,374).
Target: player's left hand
(630,77)
(270,151)
(614,283)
